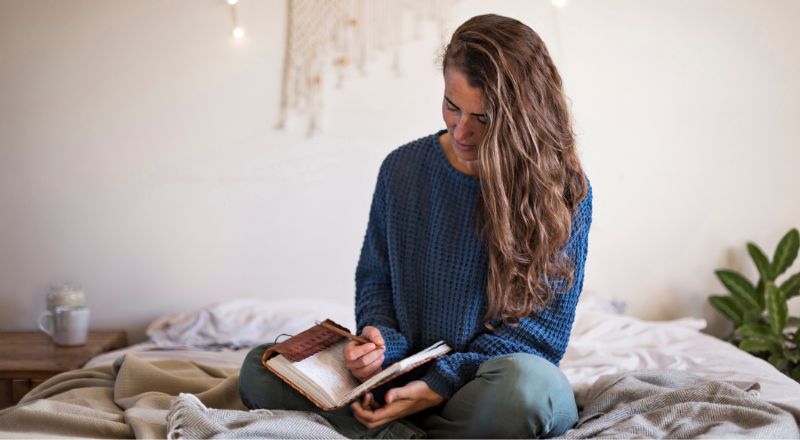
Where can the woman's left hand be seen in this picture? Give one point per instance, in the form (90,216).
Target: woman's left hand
(400,402)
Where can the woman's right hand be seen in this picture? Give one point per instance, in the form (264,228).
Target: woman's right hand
(364,360)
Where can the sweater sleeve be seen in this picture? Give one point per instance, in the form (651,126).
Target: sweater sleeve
(374,305)
(545,335)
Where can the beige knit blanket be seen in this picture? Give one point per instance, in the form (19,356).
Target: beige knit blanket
(129,399)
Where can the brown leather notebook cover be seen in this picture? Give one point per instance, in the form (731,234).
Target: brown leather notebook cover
(306,343)
(310,342)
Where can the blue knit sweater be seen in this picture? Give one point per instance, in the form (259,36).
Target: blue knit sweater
(422,273)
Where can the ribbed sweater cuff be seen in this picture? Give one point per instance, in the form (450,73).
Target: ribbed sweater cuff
(439,383)
(396,345)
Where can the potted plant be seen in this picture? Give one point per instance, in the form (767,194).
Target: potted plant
(759,312)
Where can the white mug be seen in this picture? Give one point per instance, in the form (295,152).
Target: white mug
(66,325)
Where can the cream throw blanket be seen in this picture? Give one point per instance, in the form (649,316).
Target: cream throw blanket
(152,399)
(129,399)
(190,419)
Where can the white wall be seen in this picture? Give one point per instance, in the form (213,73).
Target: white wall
(138,156)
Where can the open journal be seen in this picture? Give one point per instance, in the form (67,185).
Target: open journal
(312,362)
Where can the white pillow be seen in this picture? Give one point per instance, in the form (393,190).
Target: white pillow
(245,322)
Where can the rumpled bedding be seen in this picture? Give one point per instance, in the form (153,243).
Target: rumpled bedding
(132,396)
(128,399)
(243,323)
(675,404)
(189,418)
(136,398)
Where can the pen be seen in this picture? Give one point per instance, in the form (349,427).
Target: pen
(346,334)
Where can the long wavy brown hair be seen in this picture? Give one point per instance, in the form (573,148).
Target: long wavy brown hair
(530,175)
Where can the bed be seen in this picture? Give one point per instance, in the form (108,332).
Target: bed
(182,383)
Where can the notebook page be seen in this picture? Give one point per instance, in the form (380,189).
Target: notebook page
(433,350)
(285,368)
(400,366)
(327,370)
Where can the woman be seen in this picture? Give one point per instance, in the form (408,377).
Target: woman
(477,236)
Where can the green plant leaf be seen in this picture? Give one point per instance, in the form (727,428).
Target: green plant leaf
(776,309)
(753,316)
(786,252)
(797,337)
(792,321)
(727,306)
(757,331)
(761,294)
(792,354)
(762,263)
(753,345)
(791,287)
(739,287)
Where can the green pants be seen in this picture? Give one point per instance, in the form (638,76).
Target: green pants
(512,396)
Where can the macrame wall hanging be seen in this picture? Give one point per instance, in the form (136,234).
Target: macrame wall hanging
(336,37)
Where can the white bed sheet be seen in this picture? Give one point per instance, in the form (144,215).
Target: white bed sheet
(603,342)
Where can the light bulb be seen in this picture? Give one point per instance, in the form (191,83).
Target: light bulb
(233,2)
(238,33)
(556,3)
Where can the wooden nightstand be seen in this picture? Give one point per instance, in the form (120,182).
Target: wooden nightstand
(29,358)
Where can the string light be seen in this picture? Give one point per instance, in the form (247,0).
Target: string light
(237,31)
(556,3)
